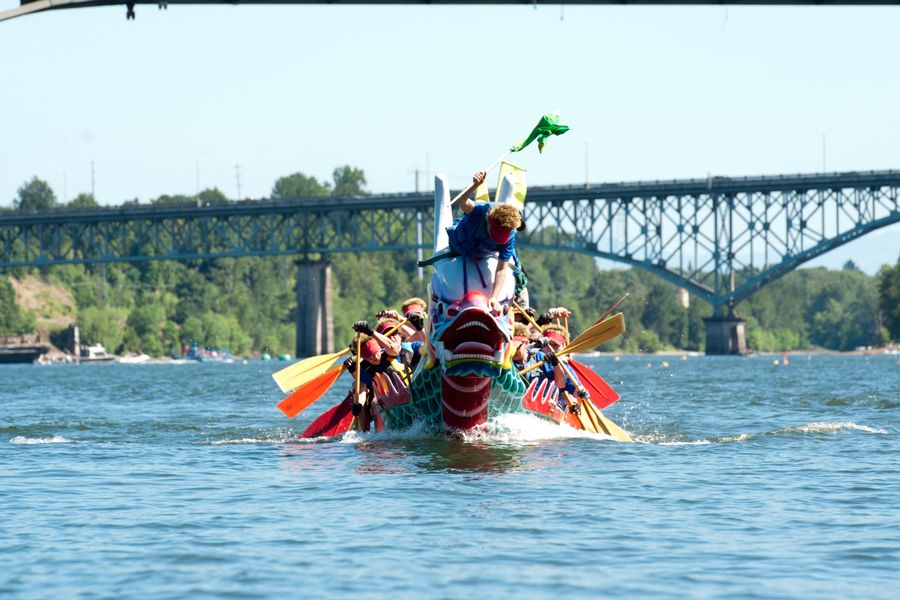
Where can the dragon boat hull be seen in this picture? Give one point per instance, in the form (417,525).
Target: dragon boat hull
(466,376)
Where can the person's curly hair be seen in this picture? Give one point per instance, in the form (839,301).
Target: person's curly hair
(520,329)
(413,301)
(558,329)
(506,216)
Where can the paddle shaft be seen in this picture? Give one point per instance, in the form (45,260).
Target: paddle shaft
(465,193)
(357,420)
(588,335)
(525,314)
(612,308)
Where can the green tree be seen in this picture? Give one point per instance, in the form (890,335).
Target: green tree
(889,298)
(349,181)
(299,185)
(103,325)
(35,195)
(212,330)
(212,197)
(167,199)
(83,201)
(13,319)
(147,329)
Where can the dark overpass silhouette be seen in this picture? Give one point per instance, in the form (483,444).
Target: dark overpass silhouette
(35,6)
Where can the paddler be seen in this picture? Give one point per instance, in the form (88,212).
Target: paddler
(484,229)
(414,310)
(519,346)
(554,339)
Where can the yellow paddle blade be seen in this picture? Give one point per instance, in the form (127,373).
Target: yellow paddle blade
(596,335)
(305,370)
(612,429)
(301,398)
(593,336)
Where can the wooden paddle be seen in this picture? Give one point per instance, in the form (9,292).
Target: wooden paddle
(306,394)
(334,421)
(602,395)
(592,419)
(304,371)
(355,423)
(593,336)
(612,308)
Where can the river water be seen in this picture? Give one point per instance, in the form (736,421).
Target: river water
(748,480)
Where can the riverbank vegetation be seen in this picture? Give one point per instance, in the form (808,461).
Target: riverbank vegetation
(250,304)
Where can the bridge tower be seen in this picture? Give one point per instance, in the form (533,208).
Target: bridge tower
(315,319)
(725,333)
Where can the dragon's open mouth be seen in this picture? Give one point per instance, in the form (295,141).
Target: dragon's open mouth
(473,345)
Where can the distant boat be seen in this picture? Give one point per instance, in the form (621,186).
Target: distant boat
(95,353)
(134,359)
(209,354)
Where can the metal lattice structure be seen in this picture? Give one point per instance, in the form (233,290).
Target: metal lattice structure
(720,238)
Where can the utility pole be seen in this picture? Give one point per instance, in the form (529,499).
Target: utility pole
(419,231)
(93,190)
(237,176)
(587,178)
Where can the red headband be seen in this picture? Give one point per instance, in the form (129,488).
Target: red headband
(498,233)
(370,349)
(519,338)
(386,326)
(556,337)
(414,307)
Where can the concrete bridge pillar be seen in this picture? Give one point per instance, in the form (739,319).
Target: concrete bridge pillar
(315,320)
(725,335)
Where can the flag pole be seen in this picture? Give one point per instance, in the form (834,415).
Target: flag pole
(471,188)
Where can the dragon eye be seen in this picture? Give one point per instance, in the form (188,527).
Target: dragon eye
(452,312)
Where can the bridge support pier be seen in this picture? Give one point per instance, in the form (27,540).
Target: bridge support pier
(315,320)
(725,335)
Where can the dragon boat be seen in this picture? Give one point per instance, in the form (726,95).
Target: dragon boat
(467,376)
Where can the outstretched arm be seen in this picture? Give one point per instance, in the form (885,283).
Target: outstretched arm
(499,280)
(467,204)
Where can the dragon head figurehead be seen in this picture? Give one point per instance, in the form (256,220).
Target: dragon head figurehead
(468,342)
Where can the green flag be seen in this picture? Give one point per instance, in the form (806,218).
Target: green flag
(547,126)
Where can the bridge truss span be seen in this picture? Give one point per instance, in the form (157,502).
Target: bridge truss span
(720,238)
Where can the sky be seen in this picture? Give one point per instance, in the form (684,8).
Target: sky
(235,97)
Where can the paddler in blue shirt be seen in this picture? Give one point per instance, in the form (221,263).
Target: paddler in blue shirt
(484,229)
(555,339)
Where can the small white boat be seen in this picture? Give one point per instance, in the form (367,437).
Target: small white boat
(134,359)
(95,353)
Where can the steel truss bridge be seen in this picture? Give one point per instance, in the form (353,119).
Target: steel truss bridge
(720,238)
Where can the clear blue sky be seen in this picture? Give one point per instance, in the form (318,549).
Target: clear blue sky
(650,92)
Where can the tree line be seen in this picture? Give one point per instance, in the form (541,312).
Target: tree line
(249,304)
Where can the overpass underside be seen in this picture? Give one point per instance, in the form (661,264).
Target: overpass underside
(722,239)
(34,6)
